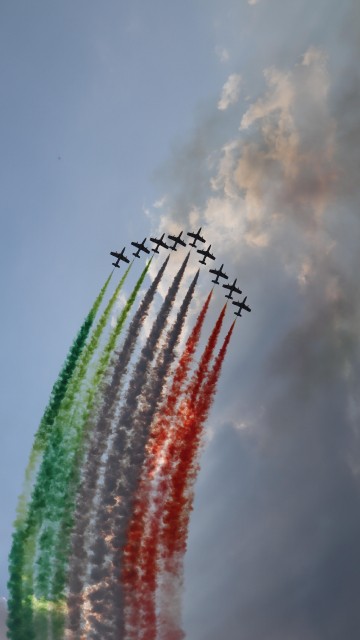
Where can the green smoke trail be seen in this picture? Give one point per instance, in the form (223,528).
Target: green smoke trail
(60,477)
(41,438)
(22,554)
(61,557)
(57,394)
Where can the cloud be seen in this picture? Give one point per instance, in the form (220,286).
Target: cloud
(159,204)
(253,2)
(276,518)
(222,53)
(278,171)
(230,92)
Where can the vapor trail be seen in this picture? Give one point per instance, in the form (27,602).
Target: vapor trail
(142,617)
(57,394)
(142,421)
(47,497)
(121,472)
(15,626)
(159,433)
(178,505)
(92,467)
(61,466)
(59,441)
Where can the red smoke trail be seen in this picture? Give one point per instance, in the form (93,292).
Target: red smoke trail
(141,566)
(160,430)
(178,505)
(159,434)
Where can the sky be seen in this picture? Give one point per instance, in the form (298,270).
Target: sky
(123,119)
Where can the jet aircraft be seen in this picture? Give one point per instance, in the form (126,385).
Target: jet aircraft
(241,306)
(140,246)
(232,289)
(219,273)
(197,238)
(119,256)
(159,243)
(177,240)
(206,253)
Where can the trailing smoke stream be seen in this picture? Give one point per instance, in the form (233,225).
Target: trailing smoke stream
(92,399)
(45,502)
(178,504)
(151,397)
(158,436)
(106,524)
(60,438)
(17,627)
(121,472)
(57,394)
(63,459)
(99,436)
(142,551)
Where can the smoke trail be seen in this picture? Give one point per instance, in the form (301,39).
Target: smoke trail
(47,475)
(57,394)
(97,446)
(178,505)
(143,615)
(41,438)
(142,420)
(159,433)
(54,541)
(118,476)
(60,470)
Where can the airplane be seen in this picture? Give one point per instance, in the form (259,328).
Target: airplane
(140,247)
(241,306)
(219,274)
(206,253)
(177,240)
(197,238)
(119,256)
(232,289)
(159,243)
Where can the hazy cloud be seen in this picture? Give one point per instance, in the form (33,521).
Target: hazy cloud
(222,54)
(230,92)
(277,517)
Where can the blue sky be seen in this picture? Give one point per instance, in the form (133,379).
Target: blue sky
(111,128)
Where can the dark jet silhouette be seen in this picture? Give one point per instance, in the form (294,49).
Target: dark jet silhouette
(232,289)
(119,256)
(241,306)
(159,243)
(219,273)
(197,237)
(177,240)
(140,247)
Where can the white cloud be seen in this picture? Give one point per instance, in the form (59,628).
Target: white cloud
(158,204)
(279,97)
(253,2)
(230,92)
(222,54)
(278,170)
(118,307)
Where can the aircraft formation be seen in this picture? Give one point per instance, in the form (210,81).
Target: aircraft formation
(205,253)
